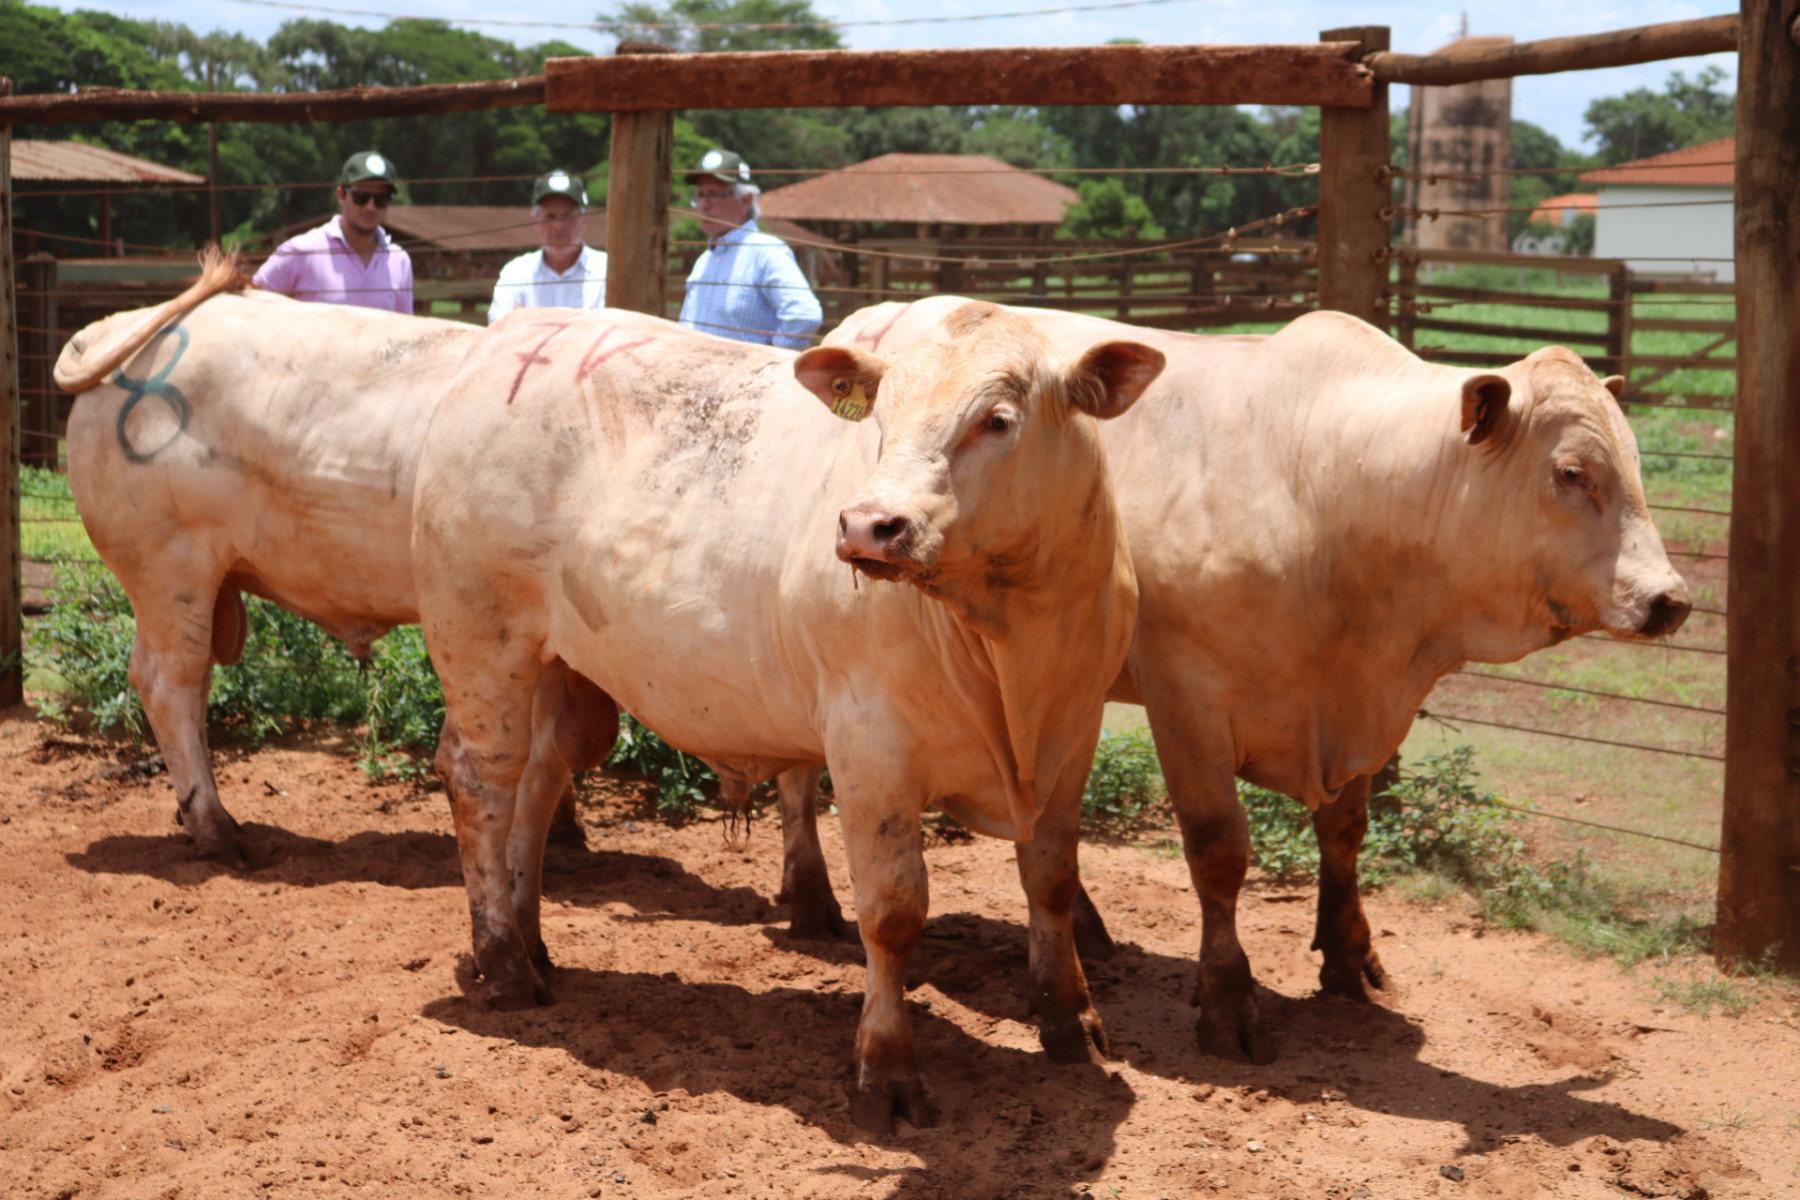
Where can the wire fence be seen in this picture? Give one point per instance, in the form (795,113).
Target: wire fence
(882,274)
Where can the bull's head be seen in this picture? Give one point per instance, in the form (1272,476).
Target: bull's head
(1555,430)
(989,466)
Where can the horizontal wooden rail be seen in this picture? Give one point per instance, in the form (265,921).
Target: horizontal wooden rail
(1489,329)
(1439,291)
(1567,263)
(1620,48)
(1678,325)
(1326,73)
(349,104)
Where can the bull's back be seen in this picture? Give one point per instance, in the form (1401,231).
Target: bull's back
(272,440)
(665,514)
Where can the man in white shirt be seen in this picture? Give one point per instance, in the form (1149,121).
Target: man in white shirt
(566,273)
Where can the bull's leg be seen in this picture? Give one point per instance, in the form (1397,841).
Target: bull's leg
(1092,940)
(1215,837)
(813,911)
(181,629)
(544,782)
(565,822)
(887,867)
(1071,1031)
(1343,930)
(483,755)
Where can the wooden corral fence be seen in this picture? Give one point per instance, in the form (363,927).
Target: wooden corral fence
(1347,75)
(1611,349)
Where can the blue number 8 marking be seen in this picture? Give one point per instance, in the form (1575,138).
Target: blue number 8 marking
(157,385)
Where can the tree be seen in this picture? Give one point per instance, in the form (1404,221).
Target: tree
(1537,149)
(718,25)
(1643,122)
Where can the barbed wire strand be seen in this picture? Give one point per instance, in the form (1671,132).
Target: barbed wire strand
(615,27)
(1564,687)
(1655,837)
(1450,719)
(1609,640)
(1284,171)
(1395,171)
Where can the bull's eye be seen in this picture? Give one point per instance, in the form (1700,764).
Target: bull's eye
(998,422)
(1571,475)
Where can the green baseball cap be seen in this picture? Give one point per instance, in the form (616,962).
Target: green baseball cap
(365,165)
(722,165)
(560,183)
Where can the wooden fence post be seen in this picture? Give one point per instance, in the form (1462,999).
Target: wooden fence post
(1406,315)
(1759,869)
(1618,324)
(12,617)
(1355,147)
(637,206)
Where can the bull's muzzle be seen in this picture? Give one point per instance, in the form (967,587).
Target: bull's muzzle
(1666,613)
(877,540)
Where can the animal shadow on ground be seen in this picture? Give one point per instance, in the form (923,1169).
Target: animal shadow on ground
(656,887)
(1013,1123)
(1368,1053)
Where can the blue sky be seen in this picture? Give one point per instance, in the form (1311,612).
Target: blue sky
(1555,102)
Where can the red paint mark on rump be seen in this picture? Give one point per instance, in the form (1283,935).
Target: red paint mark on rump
(529,358)
(595,356)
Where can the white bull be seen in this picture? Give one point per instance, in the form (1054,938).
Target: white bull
(1323,526)
(248,443)
(611,497)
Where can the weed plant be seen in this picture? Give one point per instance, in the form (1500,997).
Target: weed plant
(1440,833)
(1125,782)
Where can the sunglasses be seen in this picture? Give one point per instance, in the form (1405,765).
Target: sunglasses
(359,198)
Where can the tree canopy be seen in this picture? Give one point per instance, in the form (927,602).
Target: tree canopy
(463,158)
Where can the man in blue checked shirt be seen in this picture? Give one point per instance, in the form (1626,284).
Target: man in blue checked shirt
(746,285)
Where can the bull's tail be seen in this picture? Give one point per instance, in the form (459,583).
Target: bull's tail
(84,363)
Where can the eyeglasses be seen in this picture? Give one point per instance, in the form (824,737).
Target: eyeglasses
(359,197)
(713,197)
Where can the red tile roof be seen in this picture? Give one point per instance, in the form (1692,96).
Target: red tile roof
(1710,164)
(1551,211)
(950,189)
(77,162)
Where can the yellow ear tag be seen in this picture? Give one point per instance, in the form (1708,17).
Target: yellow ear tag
(850,404)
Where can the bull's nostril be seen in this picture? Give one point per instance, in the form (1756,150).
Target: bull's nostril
(888,530)
(1666,615)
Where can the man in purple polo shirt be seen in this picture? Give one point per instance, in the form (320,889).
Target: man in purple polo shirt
(350,259)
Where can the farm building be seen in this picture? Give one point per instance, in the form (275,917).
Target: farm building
(80,163)
(926,196)
(1695,185)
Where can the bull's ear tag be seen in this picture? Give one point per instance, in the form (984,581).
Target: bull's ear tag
(850,402)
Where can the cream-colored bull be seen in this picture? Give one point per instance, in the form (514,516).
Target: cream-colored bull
(248,443)
(611,497)
(1323,526)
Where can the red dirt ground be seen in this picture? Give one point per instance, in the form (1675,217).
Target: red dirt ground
(169,1028)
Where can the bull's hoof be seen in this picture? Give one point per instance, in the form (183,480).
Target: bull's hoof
(540,958)
(875,1106)
(1079,1039)
(1092,942)
(1346,977)
(827,926)
(515,992)
(222,845)
(1236,1034)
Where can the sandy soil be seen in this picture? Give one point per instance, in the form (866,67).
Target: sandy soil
(170,1029)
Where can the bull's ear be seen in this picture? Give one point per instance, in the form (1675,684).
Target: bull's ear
(1484,406)
(1111,376)
(1614,384)
(843,377)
